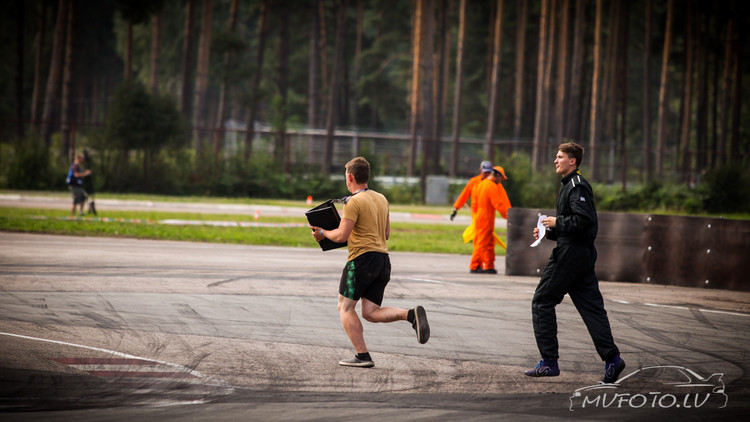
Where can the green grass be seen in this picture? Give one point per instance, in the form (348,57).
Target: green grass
(405,237)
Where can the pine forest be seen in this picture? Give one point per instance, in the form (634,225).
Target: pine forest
(231,96)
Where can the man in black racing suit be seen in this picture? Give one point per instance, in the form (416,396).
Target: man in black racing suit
(570,270)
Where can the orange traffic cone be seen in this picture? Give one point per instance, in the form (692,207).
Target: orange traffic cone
(309,199)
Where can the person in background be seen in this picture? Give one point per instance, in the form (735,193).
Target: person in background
(490,197)
(570,270)
(75,183)
(366,226)
(485,169)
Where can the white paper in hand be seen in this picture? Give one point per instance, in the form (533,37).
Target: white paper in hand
(542,230)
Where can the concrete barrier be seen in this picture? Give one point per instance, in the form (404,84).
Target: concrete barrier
(437,190)
(647,248)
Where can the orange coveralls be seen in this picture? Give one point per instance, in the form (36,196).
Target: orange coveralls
(469,192)
(490,197)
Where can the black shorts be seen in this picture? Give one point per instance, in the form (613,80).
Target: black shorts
(366,276)
(79,195)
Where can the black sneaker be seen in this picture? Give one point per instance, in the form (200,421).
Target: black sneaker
(612,370)
(544,368)
(420,325)
(477,270)
(490,271)
(357,362)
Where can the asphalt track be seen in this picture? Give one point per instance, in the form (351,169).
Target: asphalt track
(120,329)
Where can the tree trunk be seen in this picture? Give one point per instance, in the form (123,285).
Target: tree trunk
(96,83)
(489,149)
(355,82)
(608,103)
(562,72)
(546,95)
(127,71)
(37,90)
(344,94)
(415,77)
(255,81)
(322,43)
(221,113)
(281,146)
(153,78)
(726,86)
(541,66)
(53,80)
(714,129)
(441,81)
(522,8)
(736,102)
(491,13)
(447,48)
(574,123)
(687,97)
(334,87)
(661,128)
(646,117)
(374,114)
(594,123)
(622,73)
(458,92)
(186,91)
(201,76)
(80,115)
(66,152)
(429,166)
(701,129)
(20,22)
(313,75)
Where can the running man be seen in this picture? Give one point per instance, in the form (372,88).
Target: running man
(366,226)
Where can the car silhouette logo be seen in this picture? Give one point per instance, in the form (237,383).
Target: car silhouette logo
(658,387)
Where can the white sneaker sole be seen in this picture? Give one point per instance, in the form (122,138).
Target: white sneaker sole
(360,364)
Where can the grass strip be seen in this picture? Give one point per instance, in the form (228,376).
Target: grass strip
(405,237)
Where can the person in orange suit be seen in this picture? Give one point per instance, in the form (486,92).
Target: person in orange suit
(485,169)
(491,197)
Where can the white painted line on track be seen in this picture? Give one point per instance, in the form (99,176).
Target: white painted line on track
(120,354)
(712,311)
(427,280)
(700,309)
(175,222)
(684,308)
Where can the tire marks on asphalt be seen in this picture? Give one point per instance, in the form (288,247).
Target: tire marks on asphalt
(131,379)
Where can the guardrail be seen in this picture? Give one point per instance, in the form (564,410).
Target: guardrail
(647,248)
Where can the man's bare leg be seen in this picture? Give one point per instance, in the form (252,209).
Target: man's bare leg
(351,323)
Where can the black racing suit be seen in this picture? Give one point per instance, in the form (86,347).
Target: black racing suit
(570,269)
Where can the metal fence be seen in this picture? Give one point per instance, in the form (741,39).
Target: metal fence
(305,146)
(614,162)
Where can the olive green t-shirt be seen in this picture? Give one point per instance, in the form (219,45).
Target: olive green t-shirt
(369,211)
